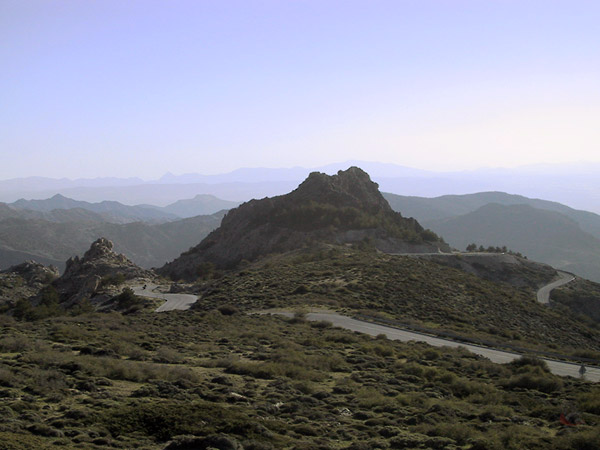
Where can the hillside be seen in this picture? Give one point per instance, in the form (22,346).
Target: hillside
(344,208)
(109,211)
(542,235)
(201,204)
(427,210)
(412,290)
(56,215)
(264,383)
(54,242)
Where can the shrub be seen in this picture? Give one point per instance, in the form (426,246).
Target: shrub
(529,360)
(542,383)
(228,310)
(127,300)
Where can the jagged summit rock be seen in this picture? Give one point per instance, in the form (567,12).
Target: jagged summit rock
(350,188)
(89,277)
(339,209)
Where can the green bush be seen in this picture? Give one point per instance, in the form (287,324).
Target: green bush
(542,383)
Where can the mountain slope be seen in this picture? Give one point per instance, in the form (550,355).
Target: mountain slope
(201,204)
(145,244)
(342,208)
(110,211)
(427,209)
(545,236)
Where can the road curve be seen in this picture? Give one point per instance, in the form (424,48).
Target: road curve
(497,356)
(543,295)
(173,301)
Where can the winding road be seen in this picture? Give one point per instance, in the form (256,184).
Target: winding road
(498,356)
(543,295)
(173,301)
(185,301)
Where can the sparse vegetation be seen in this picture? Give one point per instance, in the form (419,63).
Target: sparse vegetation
(269,382)
(416,292)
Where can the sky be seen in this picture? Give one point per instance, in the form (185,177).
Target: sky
(141,87)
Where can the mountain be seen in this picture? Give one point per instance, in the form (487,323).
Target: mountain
(446,206)
(575,185)
(542,235)
(147,245)
(110,211)
(341,209)
(56,215)
(201,204)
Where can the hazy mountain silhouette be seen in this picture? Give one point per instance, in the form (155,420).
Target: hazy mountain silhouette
(53,209)
(111,211)
(201,204)
(573,184)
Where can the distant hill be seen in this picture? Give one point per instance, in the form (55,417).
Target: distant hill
(148,245)
(446,206)
(78,215)
(53,208)
(110,211)
(343,208)
(542,235)
(201,204)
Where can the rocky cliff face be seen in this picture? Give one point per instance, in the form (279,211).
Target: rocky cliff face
(95,275)
(339,209)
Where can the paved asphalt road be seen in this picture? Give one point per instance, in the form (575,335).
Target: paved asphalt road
(173,301)
(185,301)
(497,356)
(543,295)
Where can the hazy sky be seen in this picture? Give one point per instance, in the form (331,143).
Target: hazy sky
(138,88)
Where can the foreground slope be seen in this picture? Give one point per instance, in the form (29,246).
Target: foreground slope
(343,208)
(232,381)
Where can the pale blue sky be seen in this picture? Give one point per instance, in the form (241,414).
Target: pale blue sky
(138,87)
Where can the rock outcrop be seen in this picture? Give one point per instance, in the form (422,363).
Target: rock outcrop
(33,273)
(339,209)
(95,275)
(25,280)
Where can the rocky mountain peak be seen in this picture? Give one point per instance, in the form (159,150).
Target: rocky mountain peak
(99,249)
(351,187)
(346,208)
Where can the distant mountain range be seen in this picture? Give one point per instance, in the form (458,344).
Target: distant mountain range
(568,239)
(576,185)
(63,209)
(148,245)
(52,230)
(545,231)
